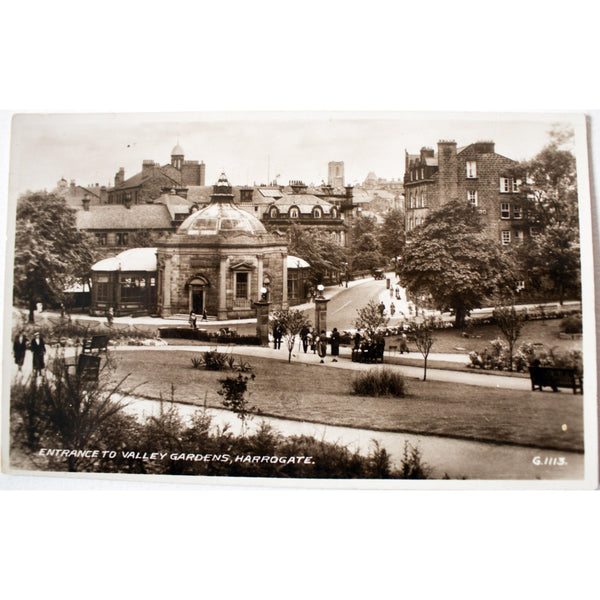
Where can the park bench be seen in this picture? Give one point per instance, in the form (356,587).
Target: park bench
(368,353)
(95,344)
(87,367)
(555,377)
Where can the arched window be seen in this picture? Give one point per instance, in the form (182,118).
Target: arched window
(294,212)
(317,212)
(273,213)
(334,212)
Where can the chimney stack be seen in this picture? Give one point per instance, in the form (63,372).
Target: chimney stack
(86,202)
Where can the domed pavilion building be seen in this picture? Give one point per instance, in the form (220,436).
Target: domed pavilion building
(218,260)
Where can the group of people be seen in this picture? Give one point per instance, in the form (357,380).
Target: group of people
(38,349)
(311,338)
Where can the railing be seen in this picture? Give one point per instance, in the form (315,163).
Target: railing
(241,304)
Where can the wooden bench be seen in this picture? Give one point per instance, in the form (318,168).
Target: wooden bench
(87,367)
(555,377)
(95,344)
(368,354)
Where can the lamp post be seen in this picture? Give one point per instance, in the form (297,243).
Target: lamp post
(320,310)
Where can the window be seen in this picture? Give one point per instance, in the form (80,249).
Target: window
(518,236)
(334,212)
(517,212)
(103,289)
(509,184)
(294,213)
(471,169)
(241,285)
(533,232)
(101,239)
(132,289)
(472,197)
(520,285)
(317,212)
(505,210)
(293,284)
(422,199)
(506,237)
(274,213)
(422,174)
(122,239)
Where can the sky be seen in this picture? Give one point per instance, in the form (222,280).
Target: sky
(251,147)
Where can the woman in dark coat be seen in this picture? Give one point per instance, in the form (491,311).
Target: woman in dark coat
(335,344)
(38,349)
(19,349)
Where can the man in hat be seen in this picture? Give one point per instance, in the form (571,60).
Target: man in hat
(38,349)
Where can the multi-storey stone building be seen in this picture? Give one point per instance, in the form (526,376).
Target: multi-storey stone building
(148,184)
(475,174)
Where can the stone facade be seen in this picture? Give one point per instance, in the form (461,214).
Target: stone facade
(218,261)
(475,174)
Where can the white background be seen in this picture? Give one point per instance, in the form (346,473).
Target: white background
(157,56)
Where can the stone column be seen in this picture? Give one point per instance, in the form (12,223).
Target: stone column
(284,298)
(222,312)
(262,321)
(321,313)
(259,276)
(166,288)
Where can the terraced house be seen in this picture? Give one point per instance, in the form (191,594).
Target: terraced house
(473,173)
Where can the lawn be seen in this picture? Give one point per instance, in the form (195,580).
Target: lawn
(542,331)
(322,394)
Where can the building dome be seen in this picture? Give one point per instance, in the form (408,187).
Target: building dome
(177,151)
(221,216)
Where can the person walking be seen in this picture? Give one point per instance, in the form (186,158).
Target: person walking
(322,346)
(404,344)
(193,319)
(313,341)
(335,344)
(19,349)
(392,309)
(304,335)
(38,349)
(277,335)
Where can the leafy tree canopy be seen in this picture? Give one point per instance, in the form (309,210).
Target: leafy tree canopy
(452,260)
(49,250)
(320,249)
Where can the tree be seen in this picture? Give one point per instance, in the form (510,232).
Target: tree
(233,390)
(552,257)
(320,249)
(291,323)
(365,249)
(391,234)
(370,320)
(49,250)
(510,324)
(424,340)
(452,260)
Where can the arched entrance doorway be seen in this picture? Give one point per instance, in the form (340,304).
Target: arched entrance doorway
(197,290)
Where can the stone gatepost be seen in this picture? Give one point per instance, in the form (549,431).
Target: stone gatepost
(262,321)
(321,313)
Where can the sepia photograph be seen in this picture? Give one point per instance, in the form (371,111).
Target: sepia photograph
(353,300)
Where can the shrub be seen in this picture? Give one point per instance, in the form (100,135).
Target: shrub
(214,360)
(379,382)
(572,324)
(197,362)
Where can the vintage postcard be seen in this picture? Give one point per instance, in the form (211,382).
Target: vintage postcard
(380,300)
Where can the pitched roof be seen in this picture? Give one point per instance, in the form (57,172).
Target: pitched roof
(305,203)
(117,216)
(167,172)
(176,205)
